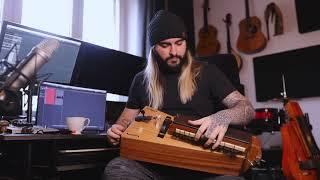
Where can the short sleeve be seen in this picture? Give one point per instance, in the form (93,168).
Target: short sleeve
(220,85)
(137,93)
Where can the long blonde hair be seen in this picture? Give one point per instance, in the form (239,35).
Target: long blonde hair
(154,80)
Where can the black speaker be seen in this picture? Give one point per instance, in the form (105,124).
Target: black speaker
(307,15)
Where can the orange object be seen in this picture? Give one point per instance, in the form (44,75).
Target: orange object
(144,141)
(251,39)
(301,156)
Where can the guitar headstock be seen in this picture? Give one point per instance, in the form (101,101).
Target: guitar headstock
(206,5)
(227,19)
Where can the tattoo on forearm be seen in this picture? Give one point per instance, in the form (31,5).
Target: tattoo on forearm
(240,111)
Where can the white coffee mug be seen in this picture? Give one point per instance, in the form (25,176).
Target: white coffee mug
(77,124)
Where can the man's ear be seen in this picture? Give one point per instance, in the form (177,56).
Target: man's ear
(155,54)
(153,50)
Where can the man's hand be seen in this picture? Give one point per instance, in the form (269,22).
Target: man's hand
(126,117)
(114,133)
(211,129)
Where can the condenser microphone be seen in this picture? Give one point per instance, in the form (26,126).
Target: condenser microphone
(30,65)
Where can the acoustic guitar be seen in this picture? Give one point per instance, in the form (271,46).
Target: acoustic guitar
(251,39)
(208,44)
(238,58)
(160,138)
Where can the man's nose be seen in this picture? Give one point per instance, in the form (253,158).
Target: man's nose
(173,50)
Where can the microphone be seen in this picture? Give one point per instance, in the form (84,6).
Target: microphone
(30,65)
(4,65)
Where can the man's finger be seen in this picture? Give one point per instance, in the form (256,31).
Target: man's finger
(212,137)
(221,134)
(196,122)
(121,128)
(114,135)
(116,131)
(201,130)
(114,141)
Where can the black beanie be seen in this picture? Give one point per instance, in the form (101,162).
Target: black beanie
(165,25)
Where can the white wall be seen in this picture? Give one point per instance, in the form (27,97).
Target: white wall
(291,39)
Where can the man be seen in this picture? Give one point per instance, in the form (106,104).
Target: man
(176,84)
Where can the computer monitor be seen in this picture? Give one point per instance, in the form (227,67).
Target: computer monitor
(60,65)
(103,68)
(57,101)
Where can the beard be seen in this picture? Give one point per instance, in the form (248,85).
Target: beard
(164,65)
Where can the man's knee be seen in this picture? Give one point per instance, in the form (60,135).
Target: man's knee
(122,168)
(118,166)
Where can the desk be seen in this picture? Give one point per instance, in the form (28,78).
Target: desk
(52,153)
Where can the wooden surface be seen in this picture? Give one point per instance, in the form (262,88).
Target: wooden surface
(141,142)
(35,137)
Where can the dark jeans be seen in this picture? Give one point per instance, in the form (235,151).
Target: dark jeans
(121,168)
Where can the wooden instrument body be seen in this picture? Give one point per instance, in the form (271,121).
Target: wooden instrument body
(298,146)
(251,39)
(140,141)
(208,44)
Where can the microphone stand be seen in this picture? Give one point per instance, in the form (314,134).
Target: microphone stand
(29,101)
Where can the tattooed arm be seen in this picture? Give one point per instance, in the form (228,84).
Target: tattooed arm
(126,117)
(240,110)
(214,127)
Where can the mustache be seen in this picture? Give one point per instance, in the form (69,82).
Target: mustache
(174,56)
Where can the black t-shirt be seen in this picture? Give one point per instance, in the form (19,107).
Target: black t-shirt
(212,88)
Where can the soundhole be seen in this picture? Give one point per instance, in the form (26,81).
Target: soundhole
(251,29)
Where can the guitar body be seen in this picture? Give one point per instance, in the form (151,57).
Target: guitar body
(251,39)
(141,142)
(208,44)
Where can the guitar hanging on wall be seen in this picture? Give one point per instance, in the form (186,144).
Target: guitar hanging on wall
(208,44)
(238,58)
(251,39)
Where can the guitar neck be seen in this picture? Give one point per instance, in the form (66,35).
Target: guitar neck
(247,9)
(205,13)
(228,39)
(227,21)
